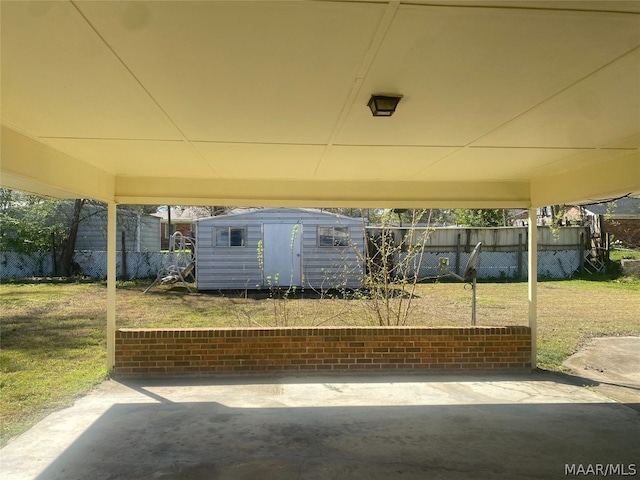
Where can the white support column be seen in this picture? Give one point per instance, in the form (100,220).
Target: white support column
(111,286)
(533,283)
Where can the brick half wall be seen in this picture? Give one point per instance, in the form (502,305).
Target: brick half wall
(276,350)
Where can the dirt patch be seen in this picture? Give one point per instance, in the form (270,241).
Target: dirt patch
(611,365)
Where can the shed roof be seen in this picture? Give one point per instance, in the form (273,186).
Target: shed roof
(505,103)
(265,212)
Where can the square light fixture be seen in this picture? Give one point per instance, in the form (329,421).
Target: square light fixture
(383,105)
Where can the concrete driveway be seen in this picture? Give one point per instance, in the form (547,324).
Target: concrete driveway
(613,366)
(535,425)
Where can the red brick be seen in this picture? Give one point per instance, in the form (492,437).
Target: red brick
(225,350)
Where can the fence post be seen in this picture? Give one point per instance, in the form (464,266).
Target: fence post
(458,255)
(519,256)
(581,248)
(124,257)
(53,253)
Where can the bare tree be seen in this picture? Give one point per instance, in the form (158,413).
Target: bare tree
(393,259)
(69,242)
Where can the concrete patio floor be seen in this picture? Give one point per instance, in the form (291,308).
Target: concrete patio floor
(351,427)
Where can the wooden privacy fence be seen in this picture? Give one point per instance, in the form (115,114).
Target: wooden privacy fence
(561,251)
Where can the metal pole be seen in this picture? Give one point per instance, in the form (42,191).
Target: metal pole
(533,283)
(473,302)
(169,232)
(111,286)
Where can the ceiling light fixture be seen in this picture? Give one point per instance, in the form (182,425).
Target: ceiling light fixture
(383,105)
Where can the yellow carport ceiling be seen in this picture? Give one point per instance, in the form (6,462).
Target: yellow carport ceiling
(505,103)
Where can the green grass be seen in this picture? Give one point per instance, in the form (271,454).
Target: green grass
(53,349)
(53,336)
(570,313)
(617,255)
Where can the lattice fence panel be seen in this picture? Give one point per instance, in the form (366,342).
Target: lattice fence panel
(144,264)
(21,265)
(91,264)
(500,265)
(491,265)
(94,263)
(557,263)
(139,264)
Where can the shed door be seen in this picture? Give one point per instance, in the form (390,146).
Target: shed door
(282,261)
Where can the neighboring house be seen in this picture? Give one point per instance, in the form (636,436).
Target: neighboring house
(182,220)
(544,218)
(277,247)
(140,230)
(621,219)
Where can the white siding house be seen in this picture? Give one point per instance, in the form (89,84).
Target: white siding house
(142,232)
(279,247)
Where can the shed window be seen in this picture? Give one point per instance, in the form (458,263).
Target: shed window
(231,237)
(333,236)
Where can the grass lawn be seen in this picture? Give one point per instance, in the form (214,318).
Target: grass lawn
(54,347)
(617,255)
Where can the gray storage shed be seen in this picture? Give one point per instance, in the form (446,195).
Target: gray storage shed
(279,247)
